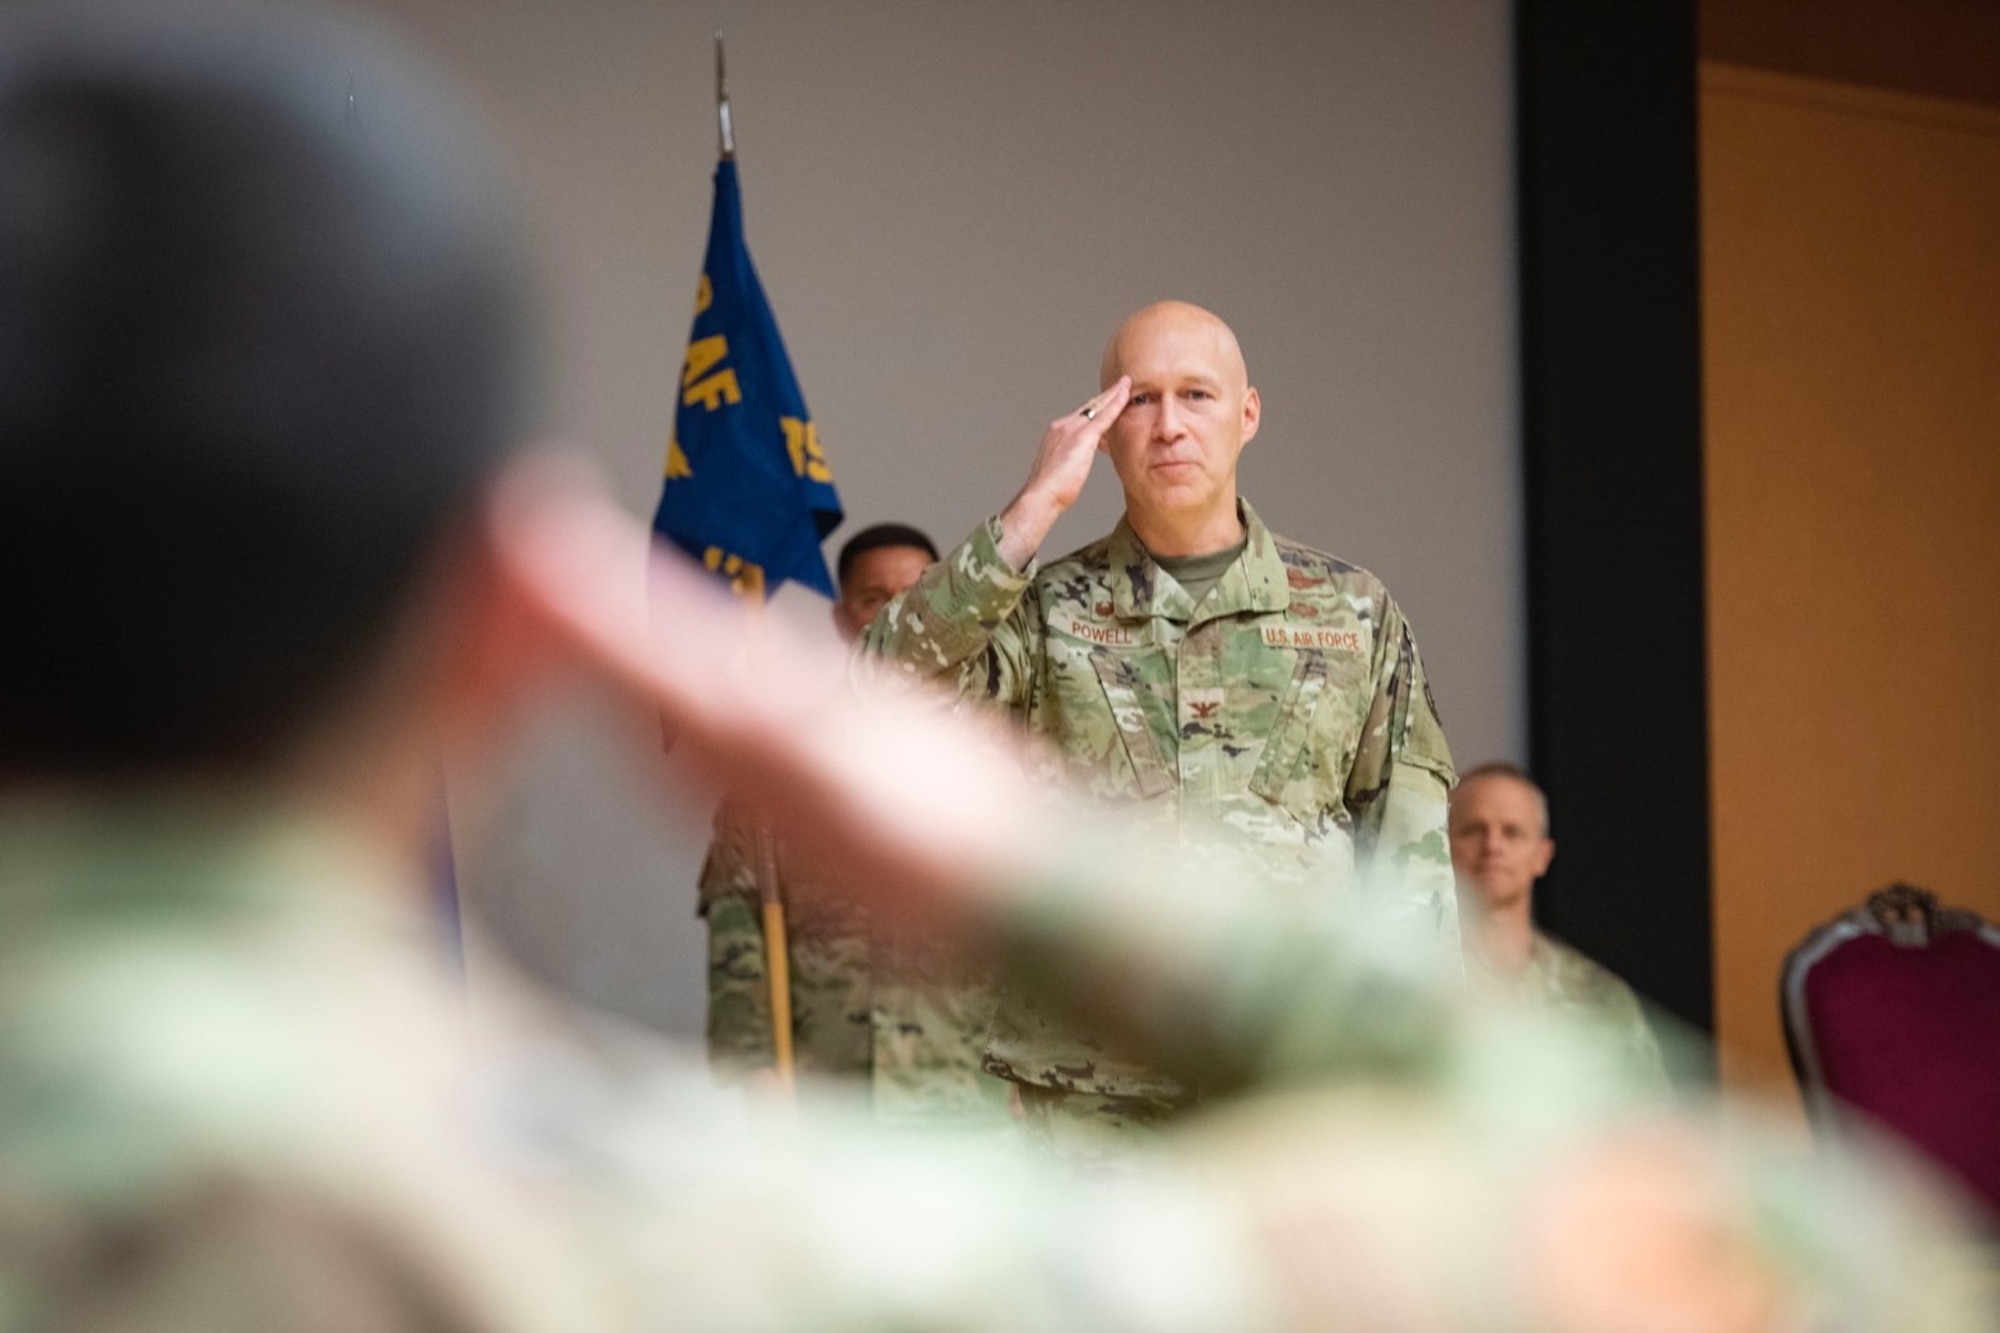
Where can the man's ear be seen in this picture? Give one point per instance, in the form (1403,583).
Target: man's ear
(1253,413)
(1548,855)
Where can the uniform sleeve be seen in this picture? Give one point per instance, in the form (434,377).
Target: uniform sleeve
(250,1256)
(851,1230)
(1641,1048)
(1600,998)
(1397,792)
(1417,1204)
(739,997)
(1219,990)
(963,622)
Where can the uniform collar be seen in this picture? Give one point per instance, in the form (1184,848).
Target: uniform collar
(1256,582)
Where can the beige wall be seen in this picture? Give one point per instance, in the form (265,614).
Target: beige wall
(1851,266)
(950,203)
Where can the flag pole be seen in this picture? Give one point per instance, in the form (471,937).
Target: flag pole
(777,956)
(777,950)
(725,129)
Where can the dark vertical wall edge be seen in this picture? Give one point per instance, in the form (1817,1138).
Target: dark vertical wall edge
(1611,443)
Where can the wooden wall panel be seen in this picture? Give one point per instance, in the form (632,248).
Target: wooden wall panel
(1937,48)
(1851,346)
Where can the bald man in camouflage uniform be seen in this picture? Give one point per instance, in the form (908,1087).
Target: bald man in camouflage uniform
(874,1000)
(1500,846)
(1194,667)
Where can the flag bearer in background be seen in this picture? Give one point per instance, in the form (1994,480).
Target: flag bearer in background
(749,493)
(871,998)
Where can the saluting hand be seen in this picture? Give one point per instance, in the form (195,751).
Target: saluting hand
(1062,465)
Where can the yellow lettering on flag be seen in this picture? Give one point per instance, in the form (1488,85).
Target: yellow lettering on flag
(714,391)
(802,443)
(745,579)
(704,296)
(677,461)
(703,354)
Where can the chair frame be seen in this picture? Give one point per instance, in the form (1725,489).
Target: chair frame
(1906,916)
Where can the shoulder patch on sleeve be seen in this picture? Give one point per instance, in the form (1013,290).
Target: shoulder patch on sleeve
(1423,743)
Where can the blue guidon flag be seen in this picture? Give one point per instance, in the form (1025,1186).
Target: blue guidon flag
(748,490)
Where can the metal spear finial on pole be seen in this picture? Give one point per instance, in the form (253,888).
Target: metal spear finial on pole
(726,130)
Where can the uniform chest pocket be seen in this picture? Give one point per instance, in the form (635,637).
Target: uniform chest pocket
(1291,734)
(1125,693)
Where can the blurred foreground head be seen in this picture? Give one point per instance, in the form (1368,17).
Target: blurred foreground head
(258,355)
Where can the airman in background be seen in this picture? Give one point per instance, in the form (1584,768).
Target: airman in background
(872,1000)
(1500,846)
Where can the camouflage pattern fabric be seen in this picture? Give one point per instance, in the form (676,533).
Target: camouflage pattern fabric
(833,1028)
(870,1002)
(1083,1130)
(226,1043)
(1564,980)
(238,1092)
(1289,709)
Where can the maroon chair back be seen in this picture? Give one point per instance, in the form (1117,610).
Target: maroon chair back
(1894,1009)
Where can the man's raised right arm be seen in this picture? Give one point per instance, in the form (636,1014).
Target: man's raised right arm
(964,620)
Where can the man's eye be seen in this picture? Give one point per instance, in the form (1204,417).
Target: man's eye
(1140,399)
(1199,393)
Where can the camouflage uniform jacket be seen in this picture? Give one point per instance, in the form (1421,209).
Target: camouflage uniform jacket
(1289,711)
(241,1090)
(1568,982)
(869,1002)
(238,1092)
